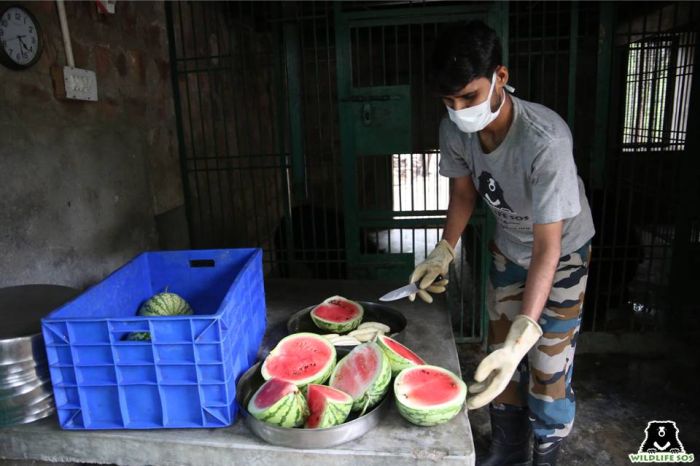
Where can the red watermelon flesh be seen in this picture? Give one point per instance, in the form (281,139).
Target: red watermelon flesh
(354,376)
(272,391)
(402,350)
(300,358)
(336,311)
(318,397)
(429,387)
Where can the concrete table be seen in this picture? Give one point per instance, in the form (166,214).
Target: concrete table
(394,441)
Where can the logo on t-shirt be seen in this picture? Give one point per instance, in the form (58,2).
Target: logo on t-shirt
(492,192)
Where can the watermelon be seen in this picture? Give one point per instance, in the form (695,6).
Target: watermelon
(337,315)
(300,358)
(161,304)
(399,356)
(280,403)
(328,406)
(139,336)
(364,374)
(429,395)
(165,304)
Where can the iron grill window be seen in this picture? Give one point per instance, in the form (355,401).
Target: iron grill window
(657,94)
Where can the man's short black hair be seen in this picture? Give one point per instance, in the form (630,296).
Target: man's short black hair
(462,53)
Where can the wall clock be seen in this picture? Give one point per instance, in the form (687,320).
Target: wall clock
(20,38)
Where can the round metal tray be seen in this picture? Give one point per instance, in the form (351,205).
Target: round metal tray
(26,391)
(304,438)
(30,413)
(373,312)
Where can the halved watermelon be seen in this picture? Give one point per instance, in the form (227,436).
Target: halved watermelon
(337,315)
(300,358)
(280,403)
(429,395)
(399,356)
(328,406)
(364,374)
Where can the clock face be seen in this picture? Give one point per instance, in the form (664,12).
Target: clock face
(19,37)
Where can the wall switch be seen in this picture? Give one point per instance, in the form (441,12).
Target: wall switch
(80,84)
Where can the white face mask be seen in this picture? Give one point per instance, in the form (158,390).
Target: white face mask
(476,117)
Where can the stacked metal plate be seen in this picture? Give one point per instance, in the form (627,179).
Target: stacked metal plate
(25,386)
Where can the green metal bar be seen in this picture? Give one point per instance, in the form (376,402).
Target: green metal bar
(202,128)
(389,214)
(602,99)
(407,16)
(497,18)
(487,233)
(179,118)
(573,63)
(293,58)
(347,146)
(684,254)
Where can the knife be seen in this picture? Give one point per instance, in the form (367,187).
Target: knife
(404,291)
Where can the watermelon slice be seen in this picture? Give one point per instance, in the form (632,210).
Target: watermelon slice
(328,406)
(364,374)
(399,356)
(429,395)
(300,358)
(337,315)
(280,403)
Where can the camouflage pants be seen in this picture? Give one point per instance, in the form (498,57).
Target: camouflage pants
(542,382)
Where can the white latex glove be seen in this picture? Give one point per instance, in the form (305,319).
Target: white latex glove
(437,263)
(497,369)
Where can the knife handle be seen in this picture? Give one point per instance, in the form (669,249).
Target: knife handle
(437,279)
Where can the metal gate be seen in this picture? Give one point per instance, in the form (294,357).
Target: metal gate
(272,96)
(270,100)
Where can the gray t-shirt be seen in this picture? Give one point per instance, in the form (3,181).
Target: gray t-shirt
(529,178)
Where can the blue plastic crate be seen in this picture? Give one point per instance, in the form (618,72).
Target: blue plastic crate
(186,375)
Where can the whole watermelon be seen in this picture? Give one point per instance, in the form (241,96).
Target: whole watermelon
(165,304)
(161,304)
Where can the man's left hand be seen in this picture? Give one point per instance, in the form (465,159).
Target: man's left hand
(496,370)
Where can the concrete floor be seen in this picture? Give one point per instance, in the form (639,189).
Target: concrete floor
(616,396)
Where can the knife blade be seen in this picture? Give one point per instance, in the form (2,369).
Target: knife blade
(404,291)
(399,293)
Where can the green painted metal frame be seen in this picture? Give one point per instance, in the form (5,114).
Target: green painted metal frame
(573,63)
(606,34)
(296,129)
(495,14)
(178,119)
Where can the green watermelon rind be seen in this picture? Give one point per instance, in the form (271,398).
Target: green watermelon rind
(165,304)
(139,336)
(336,413)
(397,362)
(279,413)
(338,327)
(302,384)
(377,388)
(428,417)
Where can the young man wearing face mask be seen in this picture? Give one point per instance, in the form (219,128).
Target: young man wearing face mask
(517,156)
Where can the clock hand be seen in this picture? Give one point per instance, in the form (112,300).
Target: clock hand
(22,42)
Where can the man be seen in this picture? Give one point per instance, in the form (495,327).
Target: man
(517,156)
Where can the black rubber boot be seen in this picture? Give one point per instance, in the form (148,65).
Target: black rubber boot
(545,456)
(510,439)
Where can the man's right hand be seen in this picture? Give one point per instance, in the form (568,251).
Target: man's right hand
(437,263)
